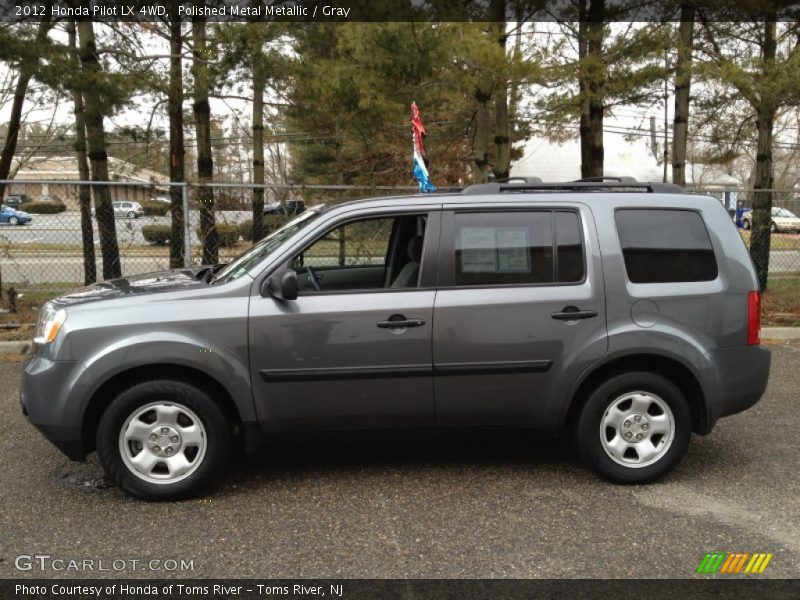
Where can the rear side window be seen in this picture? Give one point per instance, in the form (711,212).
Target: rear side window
(665,246)
(508,248)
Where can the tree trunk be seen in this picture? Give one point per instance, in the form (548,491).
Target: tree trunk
(502,136)
(202,124)
(98,159)
(762,195)
(15,118)
(259,83)
(84,193)
(483,96)
(176,148)
(683,80)
(591,77)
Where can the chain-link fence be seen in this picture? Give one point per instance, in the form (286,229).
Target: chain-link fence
(46,243)
(784,224)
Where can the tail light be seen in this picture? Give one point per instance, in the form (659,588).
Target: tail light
(753,318)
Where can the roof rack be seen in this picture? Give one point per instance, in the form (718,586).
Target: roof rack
(589,184)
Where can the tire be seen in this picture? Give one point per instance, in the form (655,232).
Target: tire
(773,227)
(190,426)
(131,215)
(746,223)
(665,436)
(13,221)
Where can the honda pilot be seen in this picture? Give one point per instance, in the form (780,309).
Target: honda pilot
(622,313)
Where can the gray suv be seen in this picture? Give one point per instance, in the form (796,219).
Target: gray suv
(625,314)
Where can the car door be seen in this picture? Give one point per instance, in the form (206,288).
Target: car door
(355,353)
(519,315)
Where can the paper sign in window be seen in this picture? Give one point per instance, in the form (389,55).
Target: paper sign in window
(494,250)
(478,252)
(512,250)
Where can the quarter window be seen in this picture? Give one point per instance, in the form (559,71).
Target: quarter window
(509,248)
(665,246)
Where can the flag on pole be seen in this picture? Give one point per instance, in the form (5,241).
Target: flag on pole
(418,134)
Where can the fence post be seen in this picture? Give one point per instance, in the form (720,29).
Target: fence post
(187,228)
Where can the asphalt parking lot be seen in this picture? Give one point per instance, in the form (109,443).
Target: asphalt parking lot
(469,504)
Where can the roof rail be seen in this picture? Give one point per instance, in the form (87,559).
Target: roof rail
(589,184)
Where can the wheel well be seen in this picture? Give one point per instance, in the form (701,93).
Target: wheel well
(669,368)
(122,381)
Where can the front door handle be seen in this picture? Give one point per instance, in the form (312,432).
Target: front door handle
(573,313)
(400,322)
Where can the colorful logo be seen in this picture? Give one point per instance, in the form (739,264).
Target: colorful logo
(735,563)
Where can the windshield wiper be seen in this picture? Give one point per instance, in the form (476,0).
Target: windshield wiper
(206,274)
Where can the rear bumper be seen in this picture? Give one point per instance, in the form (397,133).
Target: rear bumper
(743,375)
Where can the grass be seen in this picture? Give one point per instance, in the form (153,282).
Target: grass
(779,241)
(781,302)
(27,308)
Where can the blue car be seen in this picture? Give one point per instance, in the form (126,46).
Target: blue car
(12,216)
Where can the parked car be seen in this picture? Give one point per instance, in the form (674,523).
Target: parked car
(782,220)
(51,198)
(131,210)
(567,307)
(164,199)
(16,200)
(293,207)
(12,216)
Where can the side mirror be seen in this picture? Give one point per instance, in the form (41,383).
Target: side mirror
(281,285)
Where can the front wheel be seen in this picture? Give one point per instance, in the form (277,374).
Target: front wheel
(634,428)
(131,215)
(164,439)
(746,223)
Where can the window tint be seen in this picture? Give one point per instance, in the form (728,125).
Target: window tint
(503,248)
(665,246)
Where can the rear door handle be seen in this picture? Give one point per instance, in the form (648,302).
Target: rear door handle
(400,322)
(573,313)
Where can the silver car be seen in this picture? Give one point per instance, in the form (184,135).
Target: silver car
(130,210)
(623,313)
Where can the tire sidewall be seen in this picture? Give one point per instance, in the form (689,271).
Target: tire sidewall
(587,429)
(217,428)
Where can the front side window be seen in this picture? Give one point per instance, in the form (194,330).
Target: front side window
(368,254)
(665,246)
(511,248)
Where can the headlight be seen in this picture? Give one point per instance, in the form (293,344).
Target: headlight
(50,321)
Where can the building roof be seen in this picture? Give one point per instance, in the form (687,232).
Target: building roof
(66,167)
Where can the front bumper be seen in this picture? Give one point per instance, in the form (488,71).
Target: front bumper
(43,397)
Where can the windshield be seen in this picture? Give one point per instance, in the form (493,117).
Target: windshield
(265,247)
(782,212)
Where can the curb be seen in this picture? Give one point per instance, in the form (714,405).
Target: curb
(780,334)
(15,347)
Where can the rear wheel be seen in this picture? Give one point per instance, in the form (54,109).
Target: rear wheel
(746,223)
(634,428)
(164,440)
(13,221)
(773,227)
